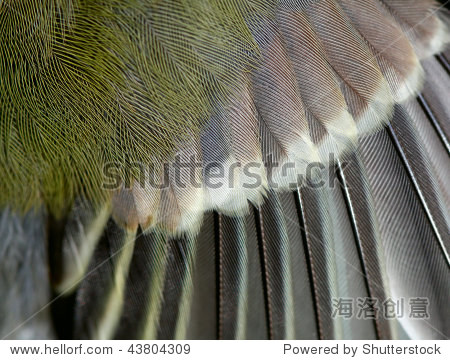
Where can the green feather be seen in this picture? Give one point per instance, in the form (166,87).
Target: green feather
(86,82)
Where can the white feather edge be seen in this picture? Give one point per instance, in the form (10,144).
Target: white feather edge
(438,42)
(342,135)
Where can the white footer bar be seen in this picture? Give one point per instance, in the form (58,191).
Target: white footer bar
(229,350)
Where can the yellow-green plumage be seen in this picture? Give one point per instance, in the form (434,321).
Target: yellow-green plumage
(88,82)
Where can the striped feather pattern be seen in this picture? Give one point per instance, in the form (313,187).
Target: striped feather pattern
(319,85)
(273,261)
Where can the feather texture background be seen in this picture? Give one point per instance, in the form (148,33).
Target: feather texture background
(327,88)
